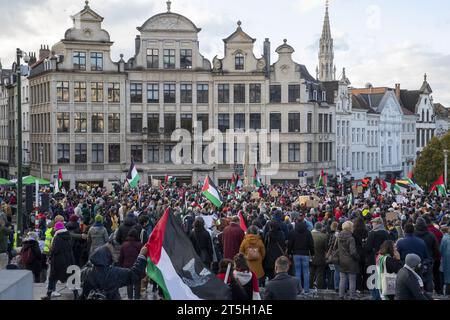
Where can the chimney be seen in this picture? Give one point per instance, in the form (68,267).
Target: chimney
(32,58)
(267,55)
(137,44)
(44,52)
(397,91)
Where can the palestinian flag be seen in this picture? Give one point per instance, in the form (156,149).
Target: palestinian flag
(174,265)
(256,179)
(233,183)
(133,177)
(242,223)
(322,181)
(210,191)
(60,179)
(169,179)
(239,182)
(439,186)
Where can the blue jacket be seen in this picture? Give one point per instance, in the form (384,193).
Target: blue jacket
(412,244)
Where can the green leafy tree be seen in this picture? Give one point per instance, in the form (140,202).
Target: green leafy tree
(430,164)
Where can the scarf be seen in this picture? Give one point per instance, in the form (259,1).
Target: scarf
(419,279)
(378,227)
(244,277)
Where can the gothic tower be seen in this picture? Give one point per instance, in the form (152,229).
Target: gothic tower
(327,70)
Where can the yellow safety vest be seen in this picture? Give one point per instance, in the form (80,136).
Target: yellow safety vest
(48,240)
(15,241)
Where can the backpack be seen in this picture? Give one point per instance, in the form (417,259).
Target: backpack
(252,254)
(27,256)
(97,294)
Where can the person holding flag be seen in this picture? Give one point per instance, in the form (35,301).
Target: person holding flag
(439,187)
(322,182)
(256,179)
(211,192)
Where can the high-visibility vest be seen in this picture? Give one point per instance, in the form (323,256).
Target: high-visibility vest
(48,240)
(14,246)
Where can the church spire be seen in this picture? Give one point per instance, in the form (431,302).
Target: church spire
(326,52)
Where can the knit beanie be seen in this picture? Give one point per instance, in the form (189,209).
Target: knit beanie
(412,260)
(99,218)
(59,226)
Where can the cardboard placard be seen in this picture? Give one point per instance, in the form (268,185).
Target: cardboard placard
(392,216)
(156,183)
(255,195)
(303,199)
(274,194)
(312,203)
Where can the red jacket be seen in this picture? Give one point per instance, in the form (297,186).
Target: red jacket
(232,238)
(129,253)
(438,234)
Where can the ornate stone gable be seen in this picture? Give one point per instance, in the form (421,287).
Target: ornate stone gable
(169,22)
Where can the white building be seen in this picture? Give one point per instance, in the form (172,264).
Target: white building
(5,79)
(442,119)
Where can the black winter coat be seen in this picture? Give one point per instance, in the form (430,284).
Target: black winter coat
(348,256)
(374,242)
(275,247)
(77,243)
(407,287)
(36,264)
(201,240)
(122,233)
(100,274)
(61,255)
(300,241)
(430,240)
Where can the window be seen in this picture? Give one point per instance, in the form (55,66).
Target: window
(153,123)
(79,60)
(152,58)
(186,121)
(325,122)
(63,153)
(136,122)
(324,96)
(294,152)
(320,153)
(62,91)
(202,93)
(320,122)
(114,153)
(239,61)
(294,93)
(330,123)
(169,122)
(98,153)
(97,92)
(168,153)
(294,122)
(309,123)
(114,123)
(382,155)
(97,123)
(113,92)
(275,122)
(275,93)
(80,122)
(315,95)
(223,93)
(239,121)
(152,93)
(169,93)
(309,152)
(255,93)
(186,59)
(153,154)
(169,59)
(239,93)
(96,61)
(63,122)
(223,122)
(255,121)
(80,153)
(390,154)
(79,91)
(136,92)
(186,93)
(136,153)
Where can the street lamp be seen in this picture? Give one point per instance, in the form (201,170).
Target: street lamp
(445,168)
(20,54)
(40,160)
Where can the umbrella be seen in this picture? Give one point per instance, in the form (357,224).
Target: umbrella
(30,180)
(4,182)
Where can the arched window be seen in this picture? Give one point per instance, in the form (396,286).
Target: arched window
(239,61)
(428,115)
(423,116)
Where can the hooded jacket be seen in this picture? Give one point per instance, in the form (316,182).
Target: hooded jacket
(128,223)
(348,256)
(101,275)
(254,241)
(421,231)
(300,241)
(61,255)
(97,236)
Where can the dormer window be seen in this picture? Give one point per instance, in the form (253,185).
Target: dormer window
(186,59)
(239,61)
(324,96)
(169,59)
(152,58)
(315,95)
(79,60)
(96,61)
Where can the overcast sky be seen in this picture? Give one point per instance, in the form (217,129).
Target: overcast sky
(379,41)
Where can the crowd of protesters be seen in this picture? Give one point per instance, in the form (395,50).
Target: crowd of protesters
(270,238)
